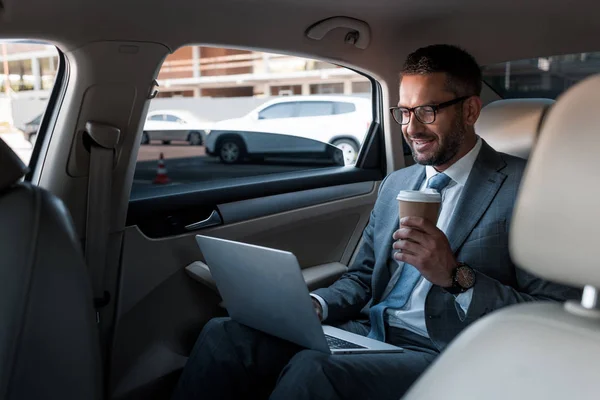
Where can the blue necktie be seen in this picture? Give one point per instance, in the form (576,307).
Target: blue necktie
(407,281)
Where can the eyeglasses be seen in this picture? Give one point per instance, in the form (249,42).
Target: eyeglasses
(425,114)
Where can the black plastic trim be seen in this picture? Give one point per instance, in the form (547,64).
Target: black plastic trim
(219,192)
(168,212)
(53,103)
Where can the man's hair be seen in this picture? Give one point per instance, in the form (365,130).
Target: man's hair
(463,73)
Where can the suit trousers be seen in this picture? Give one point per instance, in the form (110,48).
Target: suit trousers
(233,361)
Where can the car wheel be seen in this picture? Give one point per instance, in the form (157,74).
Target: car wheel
(145,138)
(231,150)
(349,148)
(195,139)
(166,142)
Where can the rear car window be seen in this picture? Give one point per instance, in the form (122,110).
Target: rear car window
(31,68)
(315,108)
(343,108)
(249,114)
(285,110)
(545,77)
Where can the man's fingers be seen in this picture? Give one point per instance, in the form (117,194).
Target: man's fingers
(419,223)
(407,258)
(406,246)
(410,234)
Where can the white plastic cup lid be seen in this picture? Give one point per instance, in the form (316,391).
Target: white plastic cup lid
(423,196)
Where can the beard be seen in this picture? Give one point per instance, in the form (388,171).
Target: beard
(449,144)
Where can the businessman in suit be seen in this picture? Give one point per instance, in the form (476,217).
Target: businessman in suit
(414,284)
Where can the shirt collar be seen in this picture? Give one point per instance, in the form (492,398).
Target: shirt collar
(460,170)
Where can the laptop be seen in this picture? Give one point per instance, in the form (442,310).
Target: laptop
(264,289)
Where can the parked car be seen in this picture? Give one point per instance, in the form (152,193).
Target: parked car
(179,125)
(30,129)
(342,121)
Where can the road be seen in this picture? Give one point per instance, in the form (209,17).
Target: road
(189,164)
(185,164)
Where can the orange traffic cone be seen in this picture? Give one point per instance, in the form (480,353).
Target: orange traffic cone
(161,172)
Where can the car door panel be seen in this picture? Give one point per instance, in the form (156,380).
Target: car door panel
(322,227)
(161,211)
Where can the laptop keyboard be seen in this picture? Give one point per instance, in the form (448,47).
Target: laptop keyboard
(336,343)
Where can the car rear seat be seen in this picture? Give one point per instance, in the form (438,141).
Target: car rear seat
(511,126)
(49,346)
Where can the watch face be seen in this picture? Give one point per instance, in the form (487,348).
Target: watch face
(465,277)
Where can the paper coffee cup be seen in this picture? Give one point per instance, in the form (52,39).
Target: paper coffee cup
(417,203)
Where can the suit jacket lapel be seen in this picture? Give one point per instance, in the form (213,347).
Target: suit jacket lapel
(481,188)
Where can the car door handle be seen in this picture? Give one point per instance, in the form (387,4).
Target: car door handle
(212,220)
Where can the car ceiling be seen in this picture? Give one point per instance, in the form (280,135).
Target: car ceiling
(493,30)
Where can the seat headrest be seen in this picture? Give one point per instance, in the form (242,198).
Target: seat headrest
(11,167)
(511,126)
(556,223)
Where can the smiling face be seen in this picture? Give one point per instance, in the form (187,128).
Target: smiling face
(452,135)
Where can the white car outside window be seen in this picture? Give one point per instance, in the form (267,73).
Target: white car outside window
(178,125)
(342,121)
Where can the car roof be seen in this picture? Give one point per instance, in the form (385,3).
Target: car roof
(492,30)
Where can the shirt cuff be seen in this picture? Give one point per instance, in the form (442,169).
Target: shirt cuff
(462,303)
(322,303)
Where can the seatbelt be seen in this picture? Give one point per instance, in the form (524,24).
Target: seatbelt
(104,139)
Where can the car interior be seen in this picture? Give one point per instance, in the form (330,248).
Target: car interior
(105,290)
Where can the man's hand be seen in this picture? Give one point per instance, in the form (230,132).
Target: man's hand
(421,244)
(318,308)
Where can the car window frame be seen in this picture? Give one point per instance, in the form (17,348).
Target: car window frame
(49,116)
(370,165)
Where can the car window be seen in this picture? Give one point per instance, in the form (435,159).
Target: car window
(285,110)
(37,120)
(344,108)
(32,68)
(315,108)
(158,117)
(245,107)
(545,77)
(172,118)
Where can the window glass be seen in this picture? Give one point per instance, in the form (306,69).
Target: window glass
(315,108)
(158,117)
(172,118)
(344,108)
(545,77)
(285,110)
(243,109)
(26,80)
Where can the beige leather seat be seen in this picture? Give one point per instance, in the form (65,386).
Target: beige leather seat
(511,126)
(49,345)
(542,350)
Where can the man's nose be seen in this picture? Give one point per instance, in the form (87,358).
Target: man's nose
(414,126)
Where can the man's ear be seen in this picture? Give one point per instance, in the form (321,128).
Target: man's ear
(471,109)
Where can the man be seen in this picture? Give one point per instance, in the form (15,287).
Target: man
(414,284)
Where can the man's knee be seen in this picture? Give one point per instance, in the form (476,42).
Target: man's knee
(307,364)
(305,377)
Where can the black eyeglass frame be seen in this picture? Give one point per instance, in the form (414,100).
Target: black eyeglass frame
(434,107)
